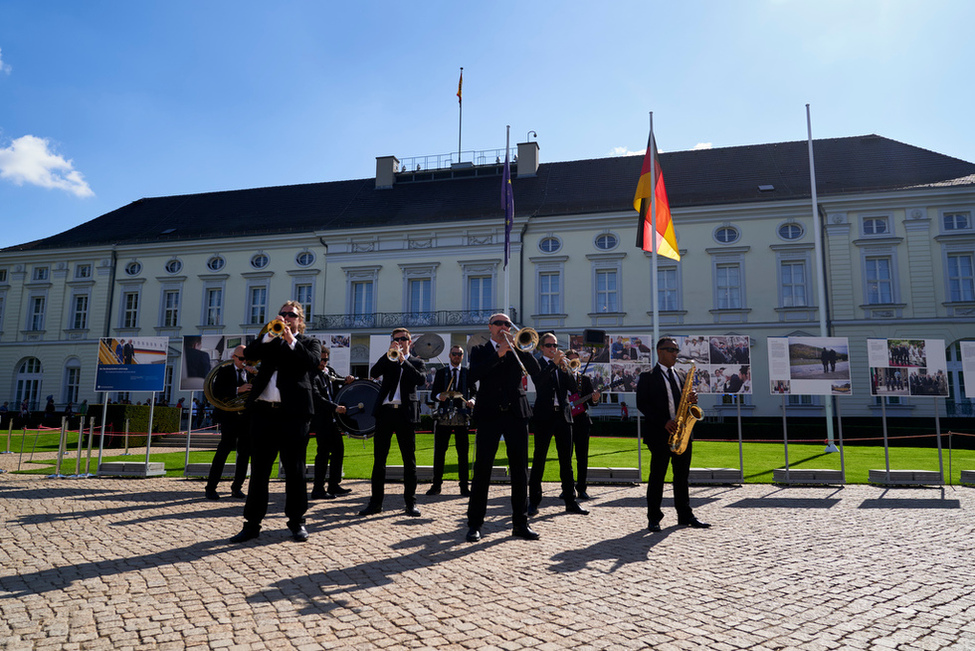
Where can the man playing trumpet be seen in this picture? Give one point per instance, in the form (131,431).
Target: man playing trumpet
(397,412)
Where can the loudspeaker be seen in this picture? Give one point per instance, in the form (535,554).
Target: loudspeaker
(594,337)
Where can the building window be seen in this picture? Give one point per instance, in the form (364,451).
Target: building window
(607,290)
(606,242)
(876,226)
(257,305)
(36,315)
(790,231)
(174,266)
(216,263)
(667,289)
(792,274)
(880,284)
(130,310)
(29,383)
(550,292)
(214,306)
(419,295)
(362,294)
(170,308)
(3,275)
(956,221)
(728,289)
(72,381)
(82,271)
(961,280)
(726,234)
(549,245)
(133,268)
(303,296)
(41,273)
(79,313)
(260,260)
(480,293)
(305,259)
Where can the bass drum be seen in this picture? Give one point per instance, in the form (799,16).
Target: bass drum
(359,399)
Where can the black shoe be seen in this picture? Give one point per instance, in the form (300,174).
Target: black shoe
(654,526)
(694,523)
(321,494)
(434,490)
(371,509)
(473,535)
(465,491)
(533,509)
(247,533)
(412,510)
(573,507)
(338,490)
(582,495)
(238,494)
(299,533)
(526,532)
(562,495)
(212,494)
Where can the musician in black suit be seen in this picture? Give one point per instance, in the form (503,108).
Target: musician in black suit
(230,381)
(397,412)
(328,439)
(552,420)
(280,406)
(658,394)
(501,409)
(451,379)
(581,427)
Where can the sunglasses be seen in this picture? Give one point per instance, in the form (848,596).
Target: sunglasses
(401,338)
(456,354)
(293,315)
(550,345)
(501,324)
(238,357)
(670,350)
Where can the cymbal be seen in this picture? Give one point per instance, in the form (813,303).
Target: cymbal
(450,395)
(428,345)
(478,339)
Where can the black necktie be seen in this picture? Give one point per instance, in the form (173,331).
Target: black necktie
(674,387)
(456,381)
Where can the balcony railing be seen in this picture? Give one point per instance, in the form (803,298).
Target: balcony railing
(390,320)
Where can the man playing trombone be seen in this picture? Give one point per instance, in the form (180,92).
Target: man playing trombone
(553,419)
(501,409)
(397,412)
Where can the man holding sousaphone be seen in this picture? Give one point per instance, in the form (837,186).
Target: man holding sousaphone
(397,411)
(452,394)
(280,405)
(230,386)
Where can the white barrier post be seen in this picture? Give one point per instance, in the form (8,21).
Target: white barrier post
(57,466)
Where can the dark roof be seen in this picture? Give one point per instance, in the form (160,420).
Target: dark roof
(694,178)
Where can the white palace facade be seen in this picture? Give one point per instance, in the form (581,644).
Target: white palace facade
(422,246)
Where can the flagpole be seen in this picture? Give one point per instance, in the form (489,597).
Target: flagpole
(507,271)
(653,234)
(821,273)
(460,111)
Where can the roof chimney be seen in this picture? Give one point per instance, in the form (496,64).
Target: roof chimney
(386,168)
(527,159)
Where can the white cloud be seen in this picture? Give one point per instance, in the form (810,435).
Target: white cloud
(3,66)
(29,159)
(623,151)
(703,145)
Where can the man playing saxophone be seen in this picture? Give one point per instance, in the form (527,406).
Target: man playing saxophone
(658,397)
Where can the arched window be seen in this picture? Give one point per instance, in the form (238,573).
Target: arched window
(29,383)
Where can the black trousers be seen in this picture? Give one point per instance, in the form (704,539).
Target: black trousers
(234,435)
(329,455)
(489,433)
(441,442)
(545,431)
(660,458)
(391,421)
(581,428)
(275,431)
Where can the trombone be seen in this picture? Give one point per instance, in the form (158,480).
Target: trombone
(525,340)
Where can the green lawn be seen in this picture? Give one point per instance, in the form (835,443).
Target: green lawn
(759,458)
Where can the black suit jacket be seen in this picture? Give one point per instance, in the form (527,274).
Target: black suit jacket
(412,376)
(651,400)
(441,380)
(324,391)
(225,385)
(546,393)
(295,369)
(499,385)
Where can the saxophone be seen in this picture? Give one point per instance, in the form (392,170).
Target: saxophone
(687,416)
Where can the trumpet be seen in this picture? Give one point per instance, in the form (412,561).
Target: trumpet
(275,328)
(394,354)
(571,365)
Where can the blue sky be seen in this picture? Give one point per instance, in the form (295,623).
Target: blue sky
(102,103)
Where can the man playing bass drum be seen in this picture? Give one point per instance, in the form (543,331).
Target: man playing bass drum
(452,394)
(658,394)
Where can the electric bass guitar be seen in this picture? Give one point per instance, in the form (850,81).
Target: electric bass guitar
(576,404)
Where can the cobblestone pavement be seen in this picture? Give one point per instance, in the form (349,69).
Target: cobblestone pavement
(145,563)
